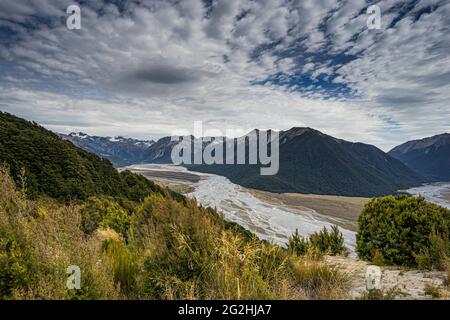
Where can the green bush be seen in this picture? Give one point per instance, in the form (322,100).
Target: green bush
(298,244)
(435,255)
(104,212)
(323,242)
(330,242)
(400,228)
(13,267)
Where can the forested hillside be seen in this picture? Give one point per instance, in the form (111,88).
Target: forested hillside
(52,166)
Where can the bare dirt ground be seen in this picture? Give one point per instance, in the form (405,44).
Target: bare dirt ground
(343,211)
(178,181)
(396,283)
(446,196)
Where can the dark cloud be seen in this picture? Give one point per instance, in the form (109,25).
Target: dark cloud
(163,74)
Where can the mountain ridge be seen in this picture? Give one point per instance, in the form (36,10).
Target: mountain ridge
(313,162)
(310,162)
(119,150)
(54,167)
(429,156)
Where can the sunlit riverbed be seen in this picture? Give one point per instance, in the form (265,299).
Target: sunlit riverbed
(269,221)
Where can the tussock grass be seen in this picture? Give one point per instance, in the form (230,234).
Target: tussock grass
(432,290)
(166,249)
(37,246)
(377,294)
(319,280)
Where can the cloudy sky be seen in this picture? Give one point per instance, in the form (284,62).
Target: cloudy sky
(147,68)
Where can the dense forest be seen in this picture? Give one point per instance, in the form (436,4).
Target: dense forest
(56,168)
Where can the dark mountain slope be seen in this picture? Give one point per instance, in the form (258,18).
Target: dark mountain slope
(312,162)
(429,156)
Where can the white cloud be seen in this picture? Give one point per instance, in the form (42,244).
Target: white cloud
(150,69)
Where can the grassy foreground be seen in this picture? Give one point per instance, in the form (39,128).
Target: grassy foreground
(160,248)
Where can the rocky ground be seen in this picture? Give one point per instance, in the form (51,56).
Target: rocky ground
(396,283)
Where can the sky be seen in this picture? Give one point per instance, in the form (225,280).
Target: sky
(146,69)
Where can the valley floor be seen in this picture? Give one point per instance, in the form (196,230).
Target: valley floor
(343,211)
(273,216)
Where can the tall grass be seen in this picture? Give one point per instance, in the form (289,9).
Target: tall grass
(37,246)
(189,256)
(319,280)
(169,250)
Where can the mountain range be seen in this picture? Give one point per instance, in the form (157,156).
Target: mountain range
(313,162)
(310,162)
(119,150)
(429,156)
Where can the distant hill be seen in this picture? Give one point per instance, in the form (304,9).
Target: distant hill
(310,162)
(160,151)
(57,168)
(313,162)
(428,156)
(119,150)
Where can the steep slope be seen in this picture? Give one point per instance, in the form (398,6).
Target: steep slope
(119,150)
(57,168)
(428,156)
(160,151)
(312,162)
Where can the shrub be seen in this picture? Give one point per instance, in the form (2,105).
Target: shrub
(190,256)
(322,242)
(435,255)
(298,244)
(400,228)
(37,249)
(123,261)
(174,250)
(330,242)
(105,212)
(378,258)
(13,267)
(319,280)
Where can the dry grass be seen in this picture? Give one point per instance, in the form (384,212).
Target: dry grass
(448,272)
(320,280)
(172,251)
(42,243)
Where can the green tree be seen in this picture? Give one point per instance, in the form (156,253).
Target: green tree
(399,227)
